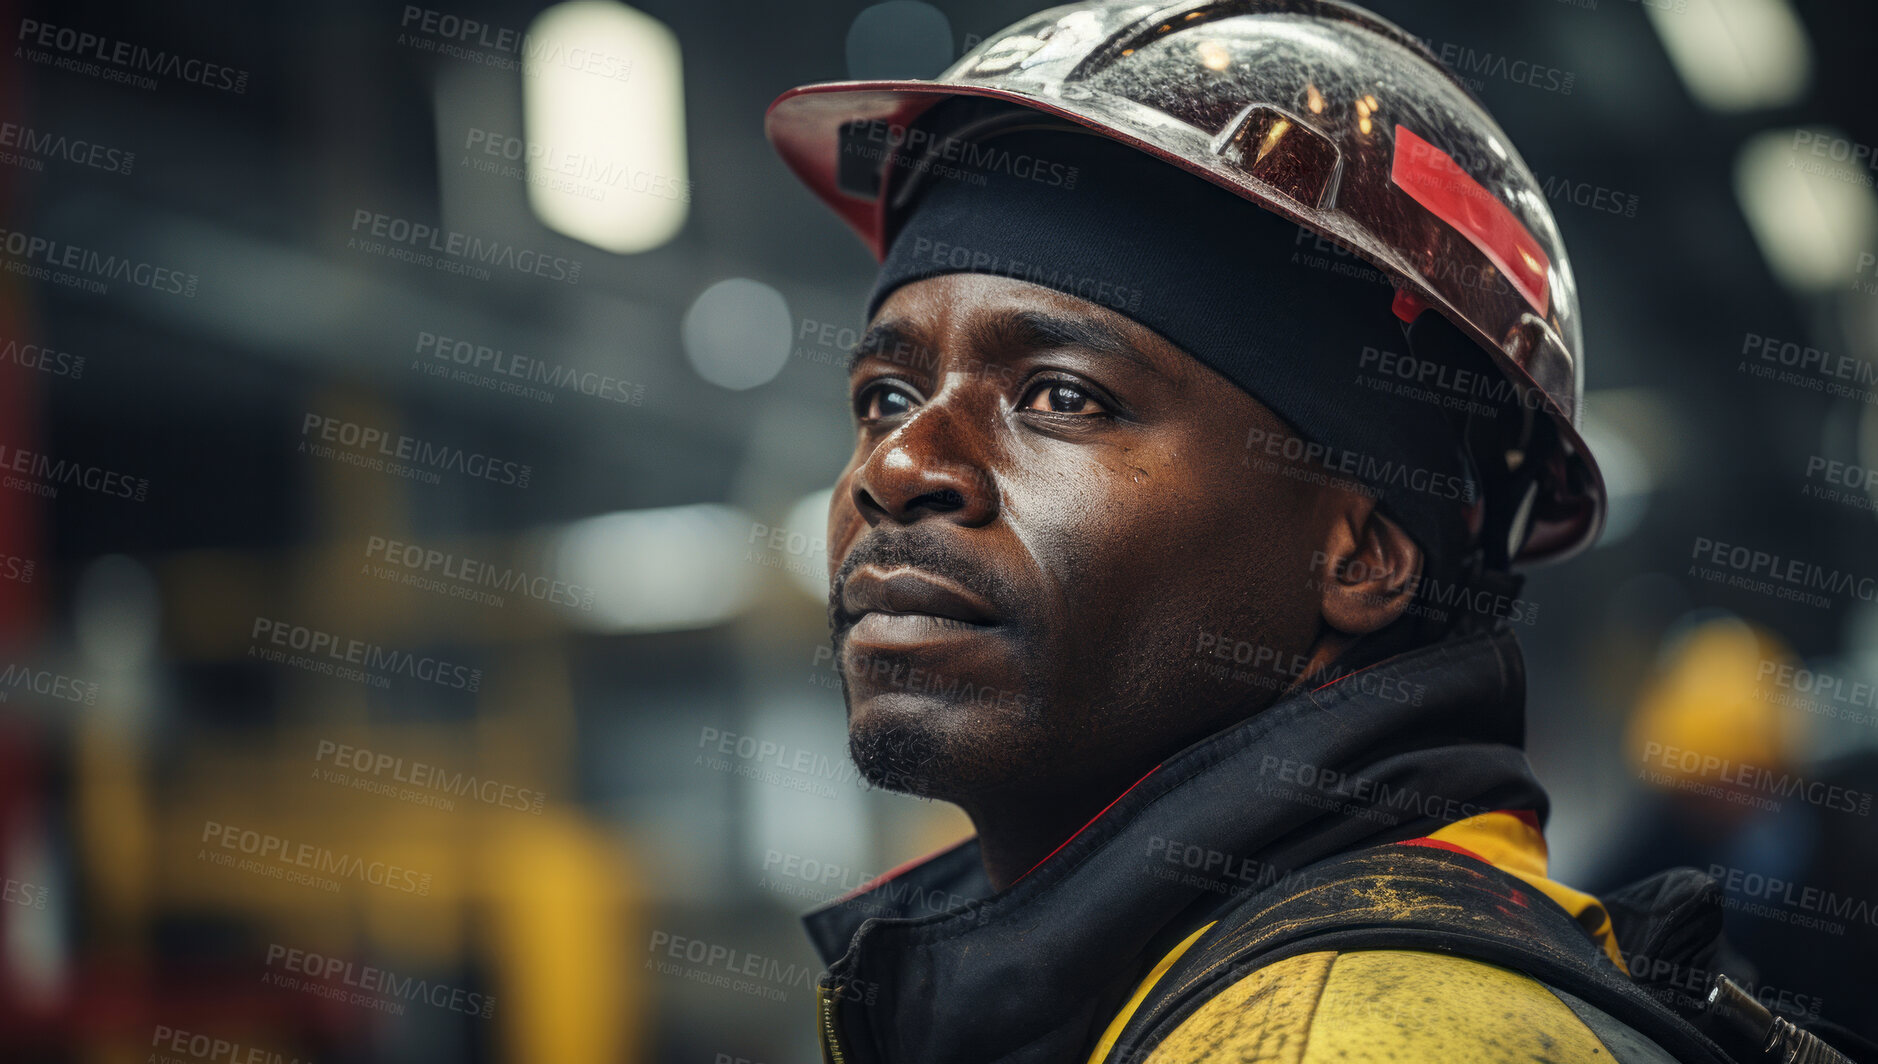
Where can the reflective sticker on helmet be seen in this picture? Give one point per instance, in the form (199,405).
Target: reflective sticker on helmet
(1433,179)
(1407,305)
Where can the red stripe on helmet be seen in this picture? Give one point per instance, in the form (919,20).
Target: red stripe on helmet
(1433,179)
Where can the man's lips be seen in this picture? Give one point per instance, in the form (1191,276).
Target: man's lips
(911,591)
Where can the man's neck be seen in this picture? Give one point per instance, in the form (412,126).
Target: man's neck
(1018,828)
(1016,833)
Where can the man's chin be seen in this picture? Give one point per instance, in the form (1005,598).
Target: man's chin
(898,756)
(913,745)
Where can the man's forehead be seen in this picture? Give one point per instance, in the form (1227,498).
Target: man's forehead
(989,315)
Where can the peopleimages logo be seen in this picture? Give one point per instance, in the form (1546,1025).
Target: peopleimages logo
(81,53)
(403,239)
(31,147)
(45,259)
(46,683)
(1594,196)
(578,173)
(1274,668)
(459,577)
(1460,384)
(207,1049)
(1809,359)
(429,30)
(720,966)
(1371,797)
(1463,60)
(377,988)
(1819,692)
(41,474)
(891,670)
(494,369)
(23,894)
(818,881)
(1748,777)
(1867,262)
(376,769)
(1660,978)
(371,446)
(800,769)
(1786,578)
(279,858)
(1797,903)
(1458,166)
(1808,368)
(1844,483)
(43,359)
(926,150)
(1224,872)
(353,659)
(1838,149)
(1367,472)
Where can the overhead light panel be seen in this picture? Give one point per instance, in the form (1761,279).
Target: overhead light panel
(604,113)
(1808,200)
(1736,55)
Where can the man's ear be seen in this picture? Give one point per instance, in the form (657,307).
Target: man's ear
(1368,570)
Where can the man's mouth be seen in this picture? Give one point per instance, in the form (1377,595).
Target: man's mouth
(902,607)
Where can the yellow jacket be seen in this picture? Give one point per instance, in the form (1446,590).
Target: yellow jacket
(1404,1006)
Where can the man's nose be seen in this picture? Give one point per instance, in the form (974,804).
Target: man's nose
(932,463)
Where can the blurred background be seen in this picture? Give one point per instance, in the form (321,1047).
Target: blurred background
(415,432)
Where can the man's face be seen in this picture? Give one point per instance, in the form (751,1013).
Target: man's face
(1047,506)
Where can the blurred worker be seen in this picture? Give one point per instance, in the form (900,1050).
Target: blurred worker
(1719,737)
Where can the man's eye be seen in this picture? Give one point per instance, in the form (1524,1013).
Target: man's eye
(1062,397)
(883,400)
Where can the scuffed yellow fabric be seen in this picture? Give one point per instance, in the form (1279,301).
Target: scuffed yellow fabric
(1382,1007)
(1399,1006)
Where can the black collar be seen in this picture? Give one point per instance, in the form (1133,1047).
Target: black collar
(937,969)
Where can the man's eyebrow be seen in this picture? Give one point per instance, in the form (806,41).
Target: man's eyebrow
(1035,329)
(881,338)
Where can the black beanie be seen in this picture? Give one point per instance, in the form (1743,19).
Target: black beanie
(1302,326)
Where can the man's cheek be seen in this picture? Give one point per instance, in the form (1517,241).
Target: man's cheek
(844,526)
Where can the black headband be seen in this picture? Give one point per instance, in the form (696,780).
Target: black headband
(1304,327)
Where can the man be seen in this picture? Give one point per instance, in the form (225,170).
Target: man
(1174,549)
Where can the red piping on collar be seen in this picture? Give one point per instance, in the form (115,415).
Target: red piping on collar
(1086,827)
(1345,676)
(893,873)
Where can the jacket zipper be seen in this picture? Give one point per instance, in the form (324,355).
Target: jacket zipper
(826,1000)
